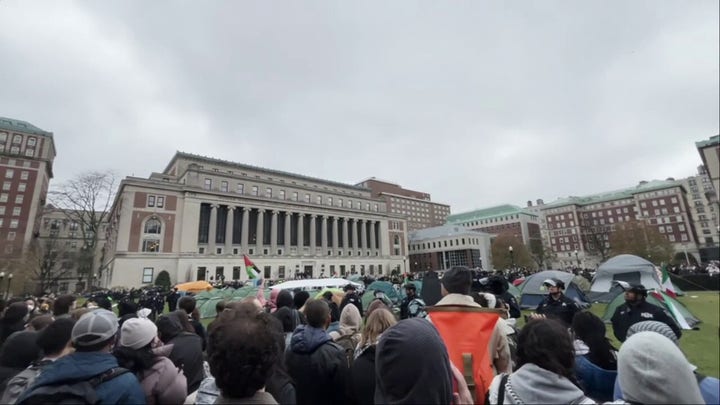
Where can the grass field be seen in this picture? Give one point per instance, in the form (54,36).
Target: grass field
(702,347)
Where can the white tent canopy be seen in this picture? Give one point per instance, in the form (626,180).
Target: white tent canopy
(629,268)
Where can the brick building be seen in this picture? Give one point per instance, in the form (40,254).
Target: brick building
(442,247)
(415,206)
(703,214)
(579,227)
(26,167)
(198,217)
(709,150)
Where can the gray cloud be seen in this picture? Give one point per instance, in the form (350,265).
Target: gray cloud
(478,103)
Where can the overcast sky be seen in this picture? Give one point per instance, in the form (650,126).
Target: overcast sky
(476,102)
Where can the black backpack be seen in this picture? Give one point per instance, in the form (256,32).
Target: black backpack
(71,392)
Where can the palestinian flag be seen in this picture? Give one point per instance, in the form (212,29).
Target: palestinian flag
(665,299)
(667,285)
(252,271)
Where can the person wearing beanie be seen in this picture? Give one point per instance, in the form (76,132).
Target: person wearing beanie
(141,352)
(93,337)
(14,319)
(412,365)
(54,343)
(653,370)
(18,352)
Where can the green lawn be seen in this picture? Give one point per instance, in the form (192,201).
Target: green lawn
(700,346)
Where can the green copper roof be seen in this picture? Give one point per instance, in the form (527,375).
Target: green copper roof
(615,195)
(11,124)
(714,140)
(492,212)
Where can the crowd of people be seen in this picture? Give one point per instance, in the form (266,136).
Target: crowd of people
(457,342)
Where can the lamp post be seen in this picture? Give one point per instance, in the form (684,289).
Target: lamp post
(7,290)
(577,258)
(2,277)
(512,257)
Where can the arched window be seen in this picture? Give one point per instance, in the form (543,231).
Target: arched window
(153,226)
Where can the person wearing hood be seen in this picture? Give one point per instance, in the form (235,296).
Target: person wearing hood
(637,309)
(351,297)
(653,370)
(18,352)
(361,383)
(350,320)
(316,364)
(14,319)
(174,329)
(141,352)
(709,386)
(93,337)
(412,365)
(545,375)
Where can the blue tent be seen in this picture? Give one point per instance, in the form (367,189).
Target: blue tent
(533,291)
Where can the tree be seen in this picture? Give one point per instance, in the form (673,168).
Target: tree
(542,255)
(596,237)
(86,199)
(501,257)
(639,239)
(48,261)
(163,280)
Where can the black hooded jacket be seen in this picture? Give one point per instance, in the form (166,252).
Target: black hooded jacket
(187,349)
(318,366)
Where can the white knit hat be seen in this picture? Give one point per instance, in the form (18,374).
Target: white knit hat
(137,333)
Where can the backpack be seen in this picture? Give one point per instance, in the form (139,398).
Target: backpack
(71,392)
(20,383)
(348,344)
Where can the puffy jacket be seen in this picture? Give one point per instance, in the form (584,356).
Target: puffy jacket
(626,315)
(318,366)
(123,389)
(164,383)
(186,353)
(562,309)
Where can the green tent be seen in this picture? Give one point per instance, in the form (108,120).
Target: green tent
(514,291)
(207,300)
(691,319)
(385,287)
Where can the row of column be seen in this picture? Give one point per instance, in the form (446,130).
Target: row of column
(325,243)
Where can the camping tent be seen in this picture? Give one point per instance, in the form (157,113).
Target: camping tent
(385,287)
(194,286)
(533,291)
(691,319)
(629,268)
(206,300)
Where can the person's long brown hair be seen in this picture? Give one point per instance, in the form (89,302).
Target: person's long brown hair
(378,322)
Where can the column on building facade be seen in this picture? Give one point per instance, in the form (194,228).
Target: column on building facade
(260,230)
(324,235)
(363,235)
(245,233)
(335,236)
(288,218)
(213,228)
(372,236)
(354,231)
(313,232)
(273,232)
(345,234)
(300,232)
(229,229)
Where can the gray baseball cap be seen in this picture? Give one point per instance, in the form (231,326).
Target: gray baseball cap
(100,324)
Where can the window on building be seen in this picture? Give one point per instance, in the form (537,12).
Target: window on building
(29,152)
(160,202)
(16,211)
(151,245)
(22,187)
(19,199)
(307,198)
(11,236)
(17,139)
(254,190)
(9,173)
(268,192)
(340,202)
(6,186)
(208,184)
(31,141)
(224,186)
(281,194)
(330,201)
(14,223)
(147,276)
(151,201)
(240,188)
(24,175)
(671,237)
(3,137)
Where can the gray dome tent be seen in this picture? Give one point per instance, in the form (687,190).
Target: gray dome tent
(533,292)
(629,268)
